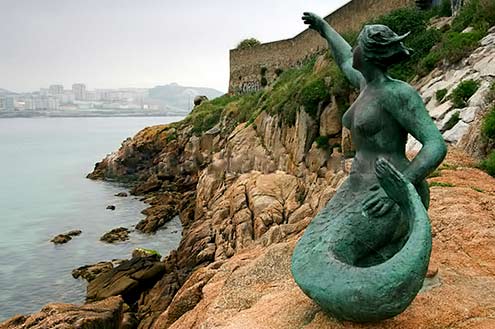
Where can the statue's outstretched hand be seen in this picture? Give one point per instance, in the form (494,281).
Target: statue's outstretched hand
(314,21)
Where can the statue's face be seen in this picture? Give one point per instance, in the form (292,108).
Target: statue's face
(357,58)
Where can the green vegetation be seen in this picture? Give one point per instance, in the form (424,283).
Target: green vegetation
(454,119)
(421,39)
(448,166)
(435,173)
(477,189)
(440,95)
(248,43)
(149,251)
(463,92)
(441,184)
(322,142)
(479,14)
(171,137)
(455,45)
(488,133)
(488,164)
(490,97)
(488,127)
(445,9)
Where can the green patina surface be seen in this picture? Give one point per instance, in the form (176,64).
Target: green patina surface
(365,255)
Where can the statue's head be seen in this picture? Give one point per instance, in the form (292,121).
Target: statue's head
(379,45)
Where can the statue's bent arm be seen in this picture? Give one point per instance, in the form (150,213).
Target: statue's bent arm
(409,110)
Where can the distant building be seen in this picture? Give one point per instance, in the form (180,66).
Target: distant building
(56,90)
(7,103)
(79,91)
(45,103)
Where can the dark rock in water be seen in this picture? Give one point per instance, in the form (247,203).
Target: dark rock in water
(143,252)
(117,234)
(103,314)
(122,194)
(157,216)
(74,233)
(111,207)
(65,237)
(128,280)
(61,239)
(90,272)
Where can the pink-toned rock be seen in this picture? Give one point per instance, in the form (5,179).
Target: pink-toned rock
(104,314)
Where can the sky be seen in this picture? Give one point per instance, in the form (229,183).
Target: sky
(137,43)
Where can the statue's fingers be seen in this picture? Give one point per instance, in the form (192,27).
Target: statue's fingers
(371,203)
(370,197)
(376,209)
(386,207)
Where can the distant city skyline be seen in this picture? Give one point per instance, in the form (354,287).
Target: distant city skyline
(117,44)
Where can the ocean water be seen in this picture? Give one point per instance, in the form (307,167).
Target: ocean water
(44,192)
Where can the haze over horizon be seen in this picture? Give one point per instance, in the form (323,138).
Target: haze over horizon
(117,44)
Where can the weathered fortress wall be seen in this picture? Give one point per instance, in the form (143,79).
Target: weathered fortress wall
(246,64)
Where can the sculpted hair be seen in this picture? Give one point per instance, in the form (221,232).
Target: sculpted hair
(383,46)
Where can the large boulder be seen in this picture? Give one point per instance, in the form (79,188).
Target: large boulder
(128,279)
(105,314)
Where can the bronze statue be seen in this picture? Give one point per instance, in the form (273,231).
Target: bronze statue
(365,255)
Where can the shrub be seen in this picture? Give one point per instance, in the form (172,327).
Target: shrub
(490,96)
(248,43)
(461,94)
(322,142)
(479,14)
(263,82)
(488,164)
(488,127)
(454,119)
(312,94)
(421,39)
(440,95)
(445,8)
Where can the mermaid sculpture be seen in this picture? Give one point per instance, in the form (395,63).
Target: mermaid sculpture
(364,256)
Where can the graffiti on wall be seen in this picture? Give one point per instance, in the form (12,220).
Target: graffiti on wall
(249,87)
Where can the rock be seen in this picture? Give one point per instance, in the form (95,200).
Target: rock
(122,194)
(61,239)
(117,234)
(456,133)
(330,122)
(439,112)
(199,99)
(104,314)
(90,272)
(146,253)
(255,289)
(65,237)
(468,29)
(111,207)
(157,216)
(127,279)
(74,233)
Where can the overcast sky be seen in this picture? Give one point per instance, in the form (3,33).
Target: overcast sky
(138,43)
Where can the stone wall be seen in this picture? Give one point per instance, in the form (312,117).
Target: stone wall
(246,64)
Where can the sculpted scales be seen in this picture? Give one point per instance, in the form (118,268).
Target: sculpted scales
(365,255)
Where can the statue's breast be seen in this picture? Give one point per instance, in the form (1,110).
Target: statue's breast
(366,116)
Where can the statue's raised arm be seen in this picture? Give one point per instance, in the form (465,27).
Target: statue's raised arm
(340,49)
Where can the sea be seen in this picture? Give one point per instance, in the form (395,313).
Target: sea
(44,192)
